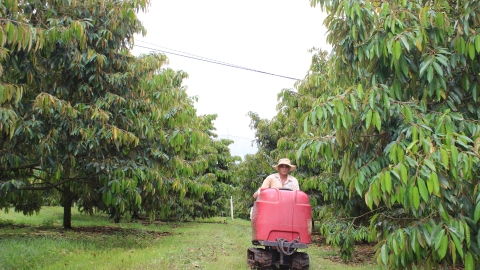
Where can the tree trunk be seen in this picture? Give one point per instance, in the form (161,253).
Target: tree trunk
(67,208)
(117,219)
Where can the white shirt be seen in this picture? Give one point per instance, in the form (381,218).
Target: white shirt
(274,181)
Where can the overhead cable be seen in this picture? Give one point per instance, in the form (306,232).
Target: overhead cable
(187,55)
(227,136)
(193,55)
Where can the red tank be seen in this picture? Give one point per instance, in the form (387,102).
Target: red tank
(282,214)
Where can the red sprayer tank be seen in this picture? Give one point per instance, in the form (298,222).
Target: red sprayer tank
(282,214)
(281,223)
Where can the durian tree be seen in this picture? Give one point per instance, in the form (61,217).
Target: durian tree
(84,119)
(400,117)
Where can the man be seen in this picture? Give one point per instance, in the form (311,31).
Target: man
(281,179)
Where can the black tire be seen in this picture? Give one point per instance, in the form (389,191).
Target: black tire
(300,261)
(259,258)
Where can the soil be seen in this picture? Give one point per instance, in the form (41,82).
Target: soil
(90,231)
(362,255)
(109,230)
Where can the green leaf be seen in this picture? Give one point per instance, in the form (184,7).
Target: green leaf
(339,107)
(442,251)
(368,119)
(424,66)
(436,183)
(369,199)
(395,245)
(458,246)
(388,182)
(454,154)
(400,154)
(422,189)
(442,59)
(444,156)
(430,185)
(353,101)
(319,112)
(413,239)
(109,198)
(360,91)
(384,254)
(305,125)
(430,165)
(438,69)
(429,74)
(300,151)
(10,32)
(378,120)
(477,43)
(437,234)
(439,20)
(397,50)
(443,213)
(405,42)
(404,65)
(397,88)
(313,118)
(467,234)
(393,153)
(416,198)
(371,99)
(476,215)
(421,240)
(471,50)
(478,237)
(469,262)
(375,192)
(412,144)
(404,173)
(358,184)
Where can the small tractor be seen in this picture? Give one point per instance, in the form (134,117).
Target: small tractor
(281,223)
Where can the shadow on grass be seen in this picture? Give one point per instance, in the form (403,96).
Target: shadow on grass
(85,232)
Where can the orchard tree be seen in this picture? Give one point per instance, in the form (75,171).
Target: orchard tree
(402,110)
(80,115)
(221,170)
(249,176)
(281,137)
(205,184)
(318,175)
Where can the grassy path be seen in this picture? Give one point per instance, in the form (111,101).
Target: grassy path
(38,242)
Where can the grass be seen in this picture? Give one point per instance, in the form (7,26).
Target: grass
(39,242)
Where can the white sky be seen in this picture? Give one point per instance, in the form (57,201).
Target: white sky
(271,36)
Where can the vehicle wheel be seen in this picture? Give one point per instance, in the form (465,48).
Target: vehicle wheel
(300,261)
(259,258)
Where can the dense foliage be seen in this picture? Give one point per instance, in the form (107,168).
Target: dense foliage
(83,120)
(399,120)
(387,130)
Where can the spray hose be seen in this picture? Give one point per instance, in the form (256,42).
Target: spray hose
(286,249)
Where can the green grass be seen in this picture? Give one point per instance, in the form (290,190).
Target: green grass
(39,242)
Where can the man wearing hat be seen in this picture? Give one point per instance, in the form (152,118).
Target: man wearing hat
(281,179)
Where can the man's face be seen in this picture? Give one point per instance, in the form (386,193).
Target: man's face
(283,169)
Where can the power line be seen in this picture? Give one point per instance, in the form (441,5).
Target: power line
(158,46)
(235,137)
(187,55)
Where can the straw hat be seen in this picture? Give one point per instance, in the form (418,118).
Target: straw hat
(285,161)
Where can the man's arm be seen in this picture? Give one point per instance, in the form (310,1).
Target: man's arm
(295,185)
(265,184)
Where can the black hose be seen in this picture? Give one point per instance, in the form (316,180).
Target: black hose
(289,250)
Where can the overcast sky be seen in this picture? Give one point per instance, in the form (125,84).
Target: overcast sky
(270,36)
